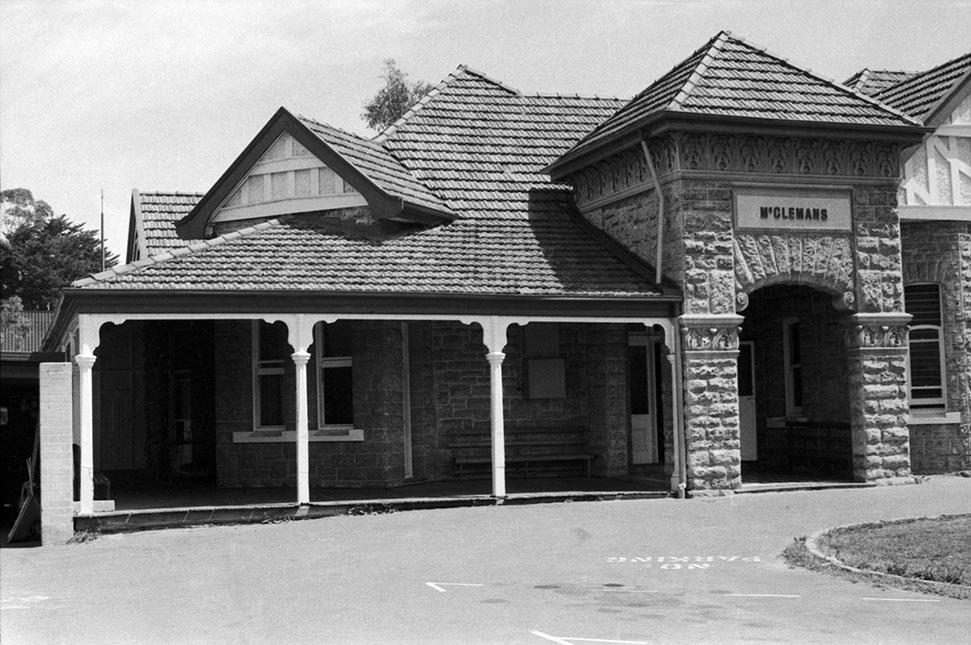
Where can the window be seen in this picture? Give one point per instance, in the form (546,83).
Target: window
(335,399)
(792,364)
(270,353)
(923,302)
(545,370)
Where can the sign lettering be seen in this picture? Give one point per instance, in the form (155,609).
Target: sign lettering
(792,209)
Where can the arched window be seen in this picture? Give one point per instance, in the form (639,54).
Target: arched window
(923,302)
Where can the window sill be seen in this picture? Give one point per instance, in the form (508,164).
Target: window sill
(290,436)
(932,417)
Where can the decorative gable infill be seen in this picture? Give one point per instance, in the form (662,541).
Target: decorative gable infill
(287,179)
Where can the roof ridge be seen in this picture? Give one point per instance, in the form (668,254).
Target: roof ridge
(558,95)
(188,249)
(490,79)
(314,121)
(389,130)
(927,72)
(828,81)
(170,192)
(713,46)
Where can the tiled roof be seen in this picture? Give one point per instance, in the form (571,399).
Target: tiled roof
(544,255)
(917,96)
(477,144)
(35,327)
(159,213)
(871,81)
(375,163)
(728,77)
(481,145)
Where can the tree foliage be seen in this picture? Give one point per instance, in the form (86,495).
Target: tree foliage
(19,208)
(394,99)
(44,253)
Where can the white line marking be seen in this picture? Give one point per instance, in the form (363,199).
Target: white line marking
(902,599)
(762,595)
(568,640)
(437,585)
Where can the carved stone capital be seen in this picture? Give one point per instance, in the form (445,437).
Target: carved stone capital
(710,332)
(877,331)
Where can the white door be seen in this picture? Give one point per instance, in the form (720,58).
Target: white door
(643,420)
(746,400)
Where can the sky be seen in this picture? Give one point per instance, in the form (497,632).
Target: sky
(162,95)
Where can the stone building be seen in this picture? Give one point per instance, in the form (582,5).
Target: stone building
(708,281)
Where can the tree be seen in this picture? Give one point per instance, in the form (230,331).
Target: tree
(43,254)
(394,99)
(22,209)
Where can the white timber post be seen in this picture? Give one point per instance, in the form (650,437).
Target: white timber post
(494,337)
(300,331)
(88,330)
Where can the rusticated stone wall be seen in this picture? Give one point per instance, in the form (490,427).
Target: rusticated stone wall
(940,252)
(718,268)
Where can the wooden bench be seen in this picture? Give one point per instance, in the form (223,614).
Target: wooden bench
(546,450)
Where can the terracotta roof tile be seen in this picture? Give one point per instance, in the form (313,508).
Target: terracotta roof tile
(160,211)
(545,254)
(481,145)
(871,81)
(728,77)
(379,166)
(918,95)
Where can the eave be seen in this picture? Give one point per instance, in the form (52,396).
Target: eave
(666,121)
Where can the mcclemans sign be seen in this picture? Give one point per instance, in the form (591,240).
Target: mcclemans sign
(801,209)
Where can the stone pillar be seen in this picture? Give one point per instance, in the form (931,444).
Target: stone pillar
(86,412)
(711,419)
(300,360)
(879,405)
(56,453)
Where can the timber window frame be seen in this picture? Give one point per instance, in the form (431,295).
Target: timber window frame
(268,373)
(792,367)
(925,338)
(334,375)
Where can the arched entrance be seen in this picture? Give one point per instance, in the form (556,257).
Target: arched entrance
(794,387)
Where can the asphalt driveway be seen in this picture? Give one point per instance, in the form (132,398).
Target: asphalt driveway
(702,570)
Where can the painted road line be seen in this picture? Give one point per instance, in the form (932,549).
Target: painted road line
(762,595)
(569,640)
(902,599)
(437,586)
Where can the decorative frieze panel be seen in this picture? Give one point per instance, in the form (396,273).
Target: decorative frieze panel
(790,156)
(617,174)
(824,262)
(938,173)
(877,331)
(710,333)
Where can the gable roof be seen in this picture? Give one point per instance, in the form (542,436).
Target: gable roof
(151,224)
(924,96)
(481,145)
(729,80)
(871,81)
(389,188)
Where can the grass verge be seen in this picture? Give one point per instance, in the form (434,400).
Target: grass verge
(932,555)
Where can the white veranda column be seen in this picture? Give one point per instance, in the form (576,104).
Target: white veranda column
(300,360)
(494,337)
(86,410)
(300,331)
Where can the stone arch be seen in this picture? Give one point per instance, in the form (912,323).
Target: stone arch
(824,263)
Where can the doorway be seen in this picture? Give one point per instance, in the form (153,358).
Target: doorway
(747,415)
(646,442)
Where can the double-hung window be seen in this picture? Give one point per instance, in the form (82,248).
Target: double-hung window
(923,302)
(335,400)
(270,354)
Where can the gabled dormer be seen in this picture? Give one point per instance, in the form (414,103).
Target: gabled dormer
(297,166)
